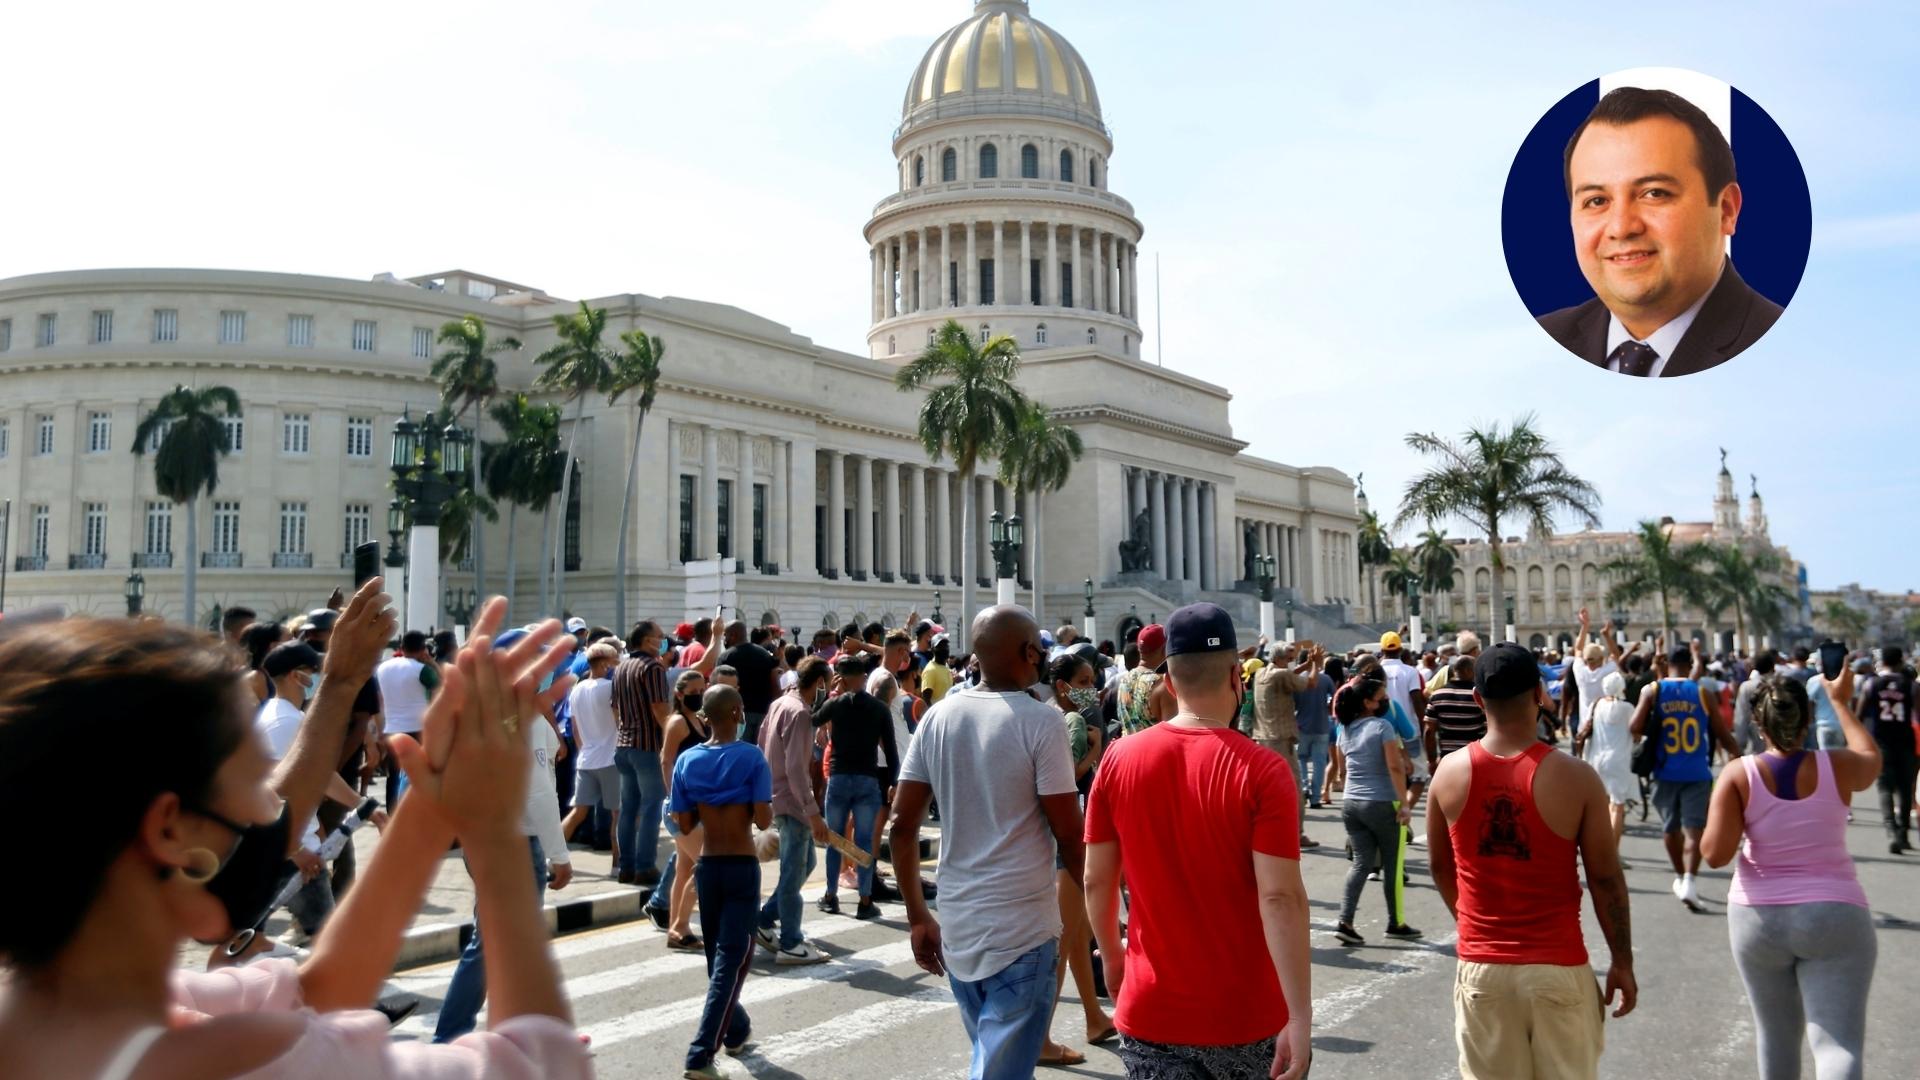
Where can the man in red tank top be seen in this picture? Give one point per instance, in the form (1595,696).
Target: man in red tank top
(1506,819)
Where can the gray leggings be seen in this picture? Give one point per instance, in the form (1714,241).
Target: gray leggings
(1807,968)
(1374,828)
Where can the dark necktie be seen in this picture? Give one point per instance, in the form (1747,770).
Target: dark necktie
(1636,358)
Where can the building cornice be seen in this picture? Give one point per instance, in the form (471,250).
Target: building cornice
(218,363)
(257,283)
(1127,418)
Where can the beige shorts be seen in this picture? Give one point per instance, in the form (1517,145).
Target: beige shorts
(1522,1021)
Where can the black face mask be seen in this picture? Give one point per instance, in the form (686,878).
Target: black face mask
(251,877)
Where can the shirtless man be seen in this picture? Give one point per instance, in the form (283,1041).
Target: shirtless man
(724,787)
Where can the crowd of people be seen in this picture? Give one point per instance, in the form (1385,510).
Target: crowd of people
(1090,798)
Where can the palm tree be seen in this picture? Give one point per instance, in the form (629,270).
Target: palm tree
(1747,584)
(636,370)
(1661,569)
(519,469)
(469,380)
(573,367)
(1373,548)
(192,438)
(1848,621)
(971,405)
(1436,560)
(458,536)
(1492,475)
(1038,456)
(1400,576)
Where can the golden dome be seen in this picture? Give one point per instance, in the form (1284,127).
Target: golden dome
(1004,54)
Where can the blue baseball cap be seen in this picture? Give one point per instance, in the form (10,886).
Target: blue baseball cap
(1200,628)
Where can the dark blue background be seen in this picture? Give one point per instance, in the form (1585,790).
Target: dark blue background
(1769,248)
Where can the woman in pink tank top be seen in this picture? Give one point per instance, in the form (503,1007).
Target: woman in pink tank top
(1802,934)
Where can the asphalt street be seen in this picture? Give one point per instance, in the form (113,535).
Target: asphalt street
(1381,1010)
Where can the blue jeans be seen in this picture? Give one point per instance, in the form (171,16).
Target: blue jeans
(1313,763)
(642,793)
(467,991)
(729,890)
(859,796)
(796,865)
(1006,1014)
(659,899)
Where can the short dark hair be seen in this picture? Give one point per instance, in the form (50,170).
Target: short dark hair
(413,641)
(873,630)
(701,628)
(1801,653)
(236,615)
(792,655)
(1891,655)
(759,634)
(1627,104)
(259,639)
(809,672)
(597,633)
(1764,663)
(642,630)
(1680,657)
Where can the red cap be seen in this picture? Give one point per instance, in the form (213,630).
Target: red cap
(683,631)
(1153,638)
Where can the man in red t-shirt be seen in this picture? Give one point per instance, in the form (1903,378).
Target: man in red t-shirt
(1205,827)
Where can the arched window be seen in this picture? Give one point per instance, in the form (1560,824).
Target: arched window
(1030,162)
(1093,173)
(919,169)
(1040,334)
(829,620)
(989,161)
(890,349)
(985,332)
(1537,641)
(1066,166)
(1091,336)
(949,165)
(769,618)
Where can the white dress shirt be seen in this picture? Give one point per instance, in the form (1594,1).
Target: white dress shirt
(1662,341)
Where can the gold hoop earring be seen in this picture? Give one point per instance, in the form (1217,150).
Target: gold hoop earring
(202,864)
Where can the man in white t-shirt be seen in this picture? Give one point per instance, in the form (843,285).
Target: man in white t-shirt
(1001,757)
(407,683)
(596,781)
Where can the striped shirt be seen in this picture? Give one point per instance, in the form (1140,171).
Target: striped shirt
(639,683)
(1451,712)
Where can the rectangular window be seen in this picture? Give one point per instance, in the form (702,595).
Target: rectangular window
(233,327)
(819,539)
(760,525)
(158,435)
(986,281)
(953,284)
(6,436)
(226,527)
(99,432)
(725,533)
(293,528)
(363,335)
(37,538)
(236,433)
(686,519)
(48,330)
(166,324)
(6,334)
(1033,282)
(300,331)
(102,327)
(1066,284)
(359,526)
(422,343)
(359,436)
(43,438)
(95,536)
(296,430)
(159,528)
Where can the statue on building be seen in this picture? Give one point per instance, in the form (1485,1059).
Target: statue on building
(1136,552)
(1756,484)
(1723,459)
(1252,547)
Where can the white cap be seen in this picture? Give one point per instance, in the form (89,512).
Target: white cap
(576,624)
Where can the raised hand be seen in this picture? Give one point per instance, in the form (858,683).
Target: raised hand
(360,634)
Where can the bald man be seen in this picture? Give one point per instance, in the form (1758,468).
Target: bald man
(998,759)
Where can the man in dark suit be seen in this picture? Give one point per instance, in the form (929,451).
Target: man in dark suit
(1653,198)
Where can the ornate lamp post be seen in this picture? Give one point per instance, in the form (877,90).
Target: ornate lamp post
(459,604)
(1007,537)
(937,620)
(1265,571)
(429,464)
(1413,617)
(1087,626)
(136,592)
(1511,636)
(1289,620)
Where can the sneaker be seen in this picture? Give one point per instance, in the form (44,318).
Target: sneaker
(829,904)
(1375,876)
(1315,805)
(658,916)
(741,1047)
(867,910)
(1348,935)
(882,890)
(1688,894)
(704,1072)
(1402,931)
(768,938)
(803,953)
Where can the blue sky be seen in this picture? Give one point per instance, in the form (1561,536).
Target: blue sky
(1321,185)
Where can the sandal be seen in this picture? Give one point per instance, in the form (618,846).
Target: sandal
(1065,1056)
(1111,1033)
(689,943)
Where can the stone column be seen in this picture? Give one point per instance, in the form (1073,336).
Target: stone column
(863,516)
(1293,556)
(942,524)
(1179,528)
(970,274)
(920,289)
(1099,270)
(1050,273)
(890,566)
(743,500)
(673,494)
(1208,541)
(1157,485)
(916,564)
(709,507)
(836,512)
(1026,263)
(1079,273)
(777,513)
(1120,274)
(1133,280)
(999,267)
(940,268)
(1137,486)
(873,282)
(983,528)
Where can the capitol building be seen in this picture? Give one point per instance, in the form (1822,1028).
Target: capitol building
(796,460)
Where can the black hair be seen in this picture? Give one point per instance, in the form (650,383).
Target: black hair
(759,635)
(702,628)
(1891,655)
(413,641)
(1350,701)
(1065,667)
(1105,647)
(1765,662)
(1336,669)
(1636,663)
(168,702)
(259,640)
(597,633)
(642,630)
(872,630)
(792,654)
(810,672)
(1131,655)
(1801,653)
(237,614)
(850,630)
(726,671)
(1627,104)
(1680,657)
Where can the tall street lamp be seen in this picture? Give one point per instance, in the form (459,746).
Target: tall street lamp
(459,604)
(1289,620)
(429,465)
(1007,536)
(1265,570)
(1620,625)
(1413,617)
(1511,635)
(1087,627)
(936,618)
(136,592)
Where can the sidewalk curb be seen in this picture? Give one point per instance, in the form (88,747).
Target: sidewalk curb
(437,943)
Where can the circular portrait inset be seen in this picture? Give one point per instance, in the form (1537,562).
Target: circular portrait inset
(1656,222)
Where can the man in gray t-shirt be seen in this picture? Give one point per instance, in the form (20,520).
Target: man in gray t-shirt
(997,761)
